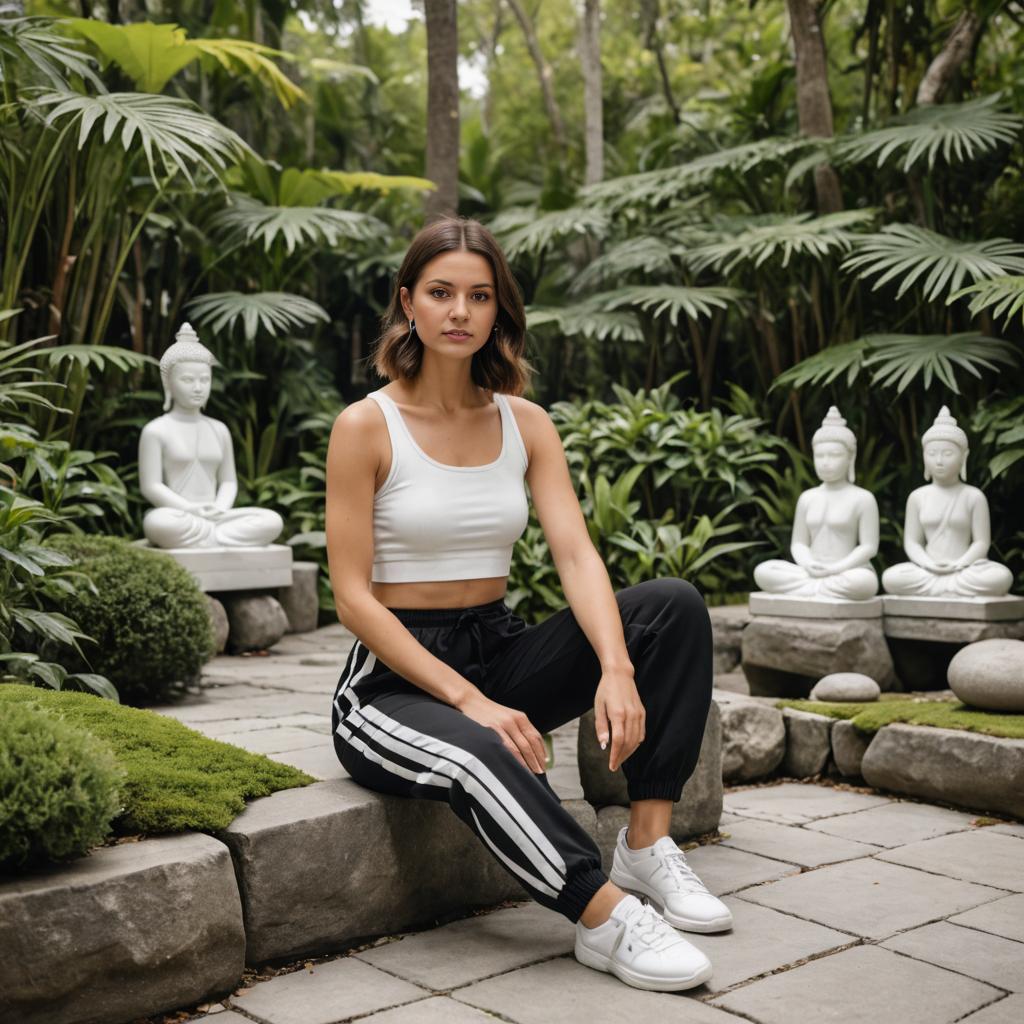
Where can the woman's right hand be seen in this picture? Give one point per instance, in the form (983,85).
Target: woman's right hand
(514,727)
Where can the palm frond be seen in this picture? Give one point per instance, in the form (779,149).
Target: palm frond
(907,253)
(586,318)
(50,56)
(957,131)
(275,312)
(255,59)
(249,220)
(536,232)
(670,298)
(647,253)
(773,236)
(1005,294)
(308,187)
(97,357)
(826,366)
(175,132)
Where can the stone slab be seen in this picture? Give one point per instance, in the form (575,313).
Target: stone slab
(793,844)
(727,624)
(870,897)
(761,941)
(895,824)
(272,705)
(476,947)
(222,727)
(127,931)
(301,600)
(794,803)
(272,741)
(949,631)
(726,870)
(1009,1010)
(980,856)
(320,762)
(1009,830)
(325,993)
(230,568)
(808,743)
(762,603)
(984,957)
(308,885)
(862,985)
(564,990)
(985,773)
(979,609)
(436,1010)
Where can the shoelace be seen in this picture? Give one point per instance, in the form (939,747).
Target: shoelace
(650,929)
(675,864)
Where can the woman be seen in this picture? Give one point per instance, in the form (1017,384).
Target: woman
(446,693)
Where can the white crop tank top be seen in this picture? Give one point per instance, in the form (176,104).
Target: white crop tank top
(432,521)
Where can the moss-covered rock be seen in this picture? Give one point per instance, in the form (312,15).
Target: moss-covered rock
(59,787)
(148,617)
(869,717)
(175,779)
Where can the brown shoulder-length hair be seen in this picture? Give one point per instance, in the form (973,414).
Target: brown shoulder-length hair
(498,366)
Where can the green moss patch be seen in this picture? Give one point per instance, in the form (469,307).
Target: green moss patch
(870,716)
(176,778)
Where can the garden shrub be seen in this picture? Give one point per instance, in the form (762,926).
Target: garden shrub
(59,787)
(176,779)
(148,617)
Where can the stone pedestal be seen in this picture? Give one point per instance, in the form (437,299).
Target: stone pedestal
(972,609)
(301,601)
(727,624)
(218,569)
(784,656)
(922,648)
(762,603)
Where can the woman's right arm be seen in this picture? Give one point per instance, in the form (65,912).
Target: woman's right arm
(352,464)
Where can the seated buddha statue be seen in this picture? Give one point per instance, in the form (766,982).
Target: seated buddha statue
(187,465)
(947,532)
(835,528)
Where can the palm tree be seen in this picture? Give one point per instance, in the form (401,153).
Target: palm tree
(442,107)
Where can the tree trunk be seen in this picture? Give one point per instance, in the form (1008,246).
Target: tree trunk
(814,104)
(593,115)
(650,11)
(949,59)
(442,108)
(544,73)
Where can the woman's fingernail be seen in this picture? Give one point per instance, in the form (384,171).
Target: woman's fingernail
(604,743)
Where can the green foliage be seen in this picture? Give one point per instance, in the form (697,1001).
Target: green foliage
(275,313)
(59,787)
(147,616)
(1002,296)
(175,779)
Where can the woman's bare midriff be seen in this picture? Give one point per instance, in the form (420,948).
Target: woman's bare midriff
(440,593)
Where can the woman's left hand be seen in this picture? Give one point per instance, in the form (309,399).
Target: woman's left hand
(617,707)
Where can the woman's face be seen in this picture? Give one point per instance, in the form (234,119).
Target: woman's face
(455,293)
(942,460)
(831,461)
(189,384)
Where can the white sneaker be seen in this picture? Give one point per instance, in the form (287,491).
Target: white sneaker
(660,873)
(641,948)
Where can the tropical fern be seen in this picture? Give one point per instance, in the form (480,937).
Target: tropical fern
(535,231)
(670,298)
(587,318)
(957,131)
(249,220)
(900,359)
(173,131)
(771,236)
(646,253)
(907,253)
(1005,294)
(275,312)
(50,56)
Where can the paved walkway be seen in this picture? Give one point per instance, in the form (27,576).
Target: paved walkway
(849,906)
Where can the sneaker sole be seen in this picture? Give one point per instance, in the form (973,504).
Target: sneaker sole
(716,924)
(600,962)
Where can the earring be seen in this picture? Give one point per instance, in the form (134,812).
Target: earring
(412,328)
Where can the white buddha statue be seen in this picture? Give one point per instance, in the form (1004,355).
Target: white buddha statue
(835,529)
(187,465)
(947,532)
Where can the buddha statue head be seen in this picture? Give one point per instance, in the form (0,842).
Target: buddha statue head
(186,371)
(835,448)
(945,449)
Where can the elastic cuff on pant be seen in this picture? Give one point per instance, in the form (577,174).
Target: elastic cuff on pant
(654,789)
(579,891)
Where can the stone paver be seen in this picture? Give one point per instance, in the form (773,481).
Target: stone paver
(272,741)
(438,1010)
(870,897)
(989,958)
(563,989)
(863,985)
(896,824)
(979,856)
(1006,1011)
(795,844)
(1009,830)
(320,762)
(724,870)
(1003,917)
(328,992)
(761,940)
(796,804)
(475,947)
(220,728)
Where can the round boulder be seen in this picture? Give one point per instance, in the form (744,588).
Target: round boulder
(846,686)
(989,674)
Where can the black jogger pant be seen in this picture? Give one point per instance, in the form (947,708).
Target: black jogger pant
(394,737)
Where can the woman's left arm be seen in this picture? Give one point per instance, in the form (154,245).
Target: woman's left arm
(585,583)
